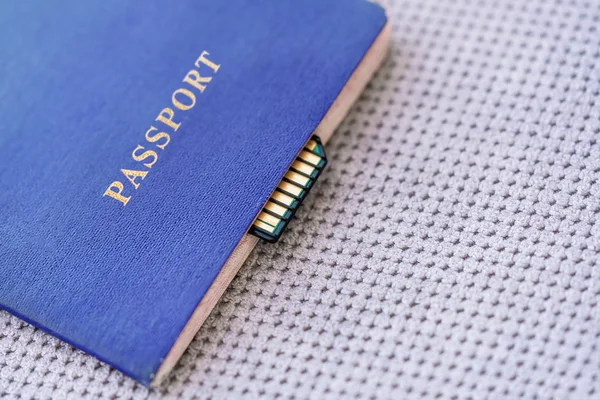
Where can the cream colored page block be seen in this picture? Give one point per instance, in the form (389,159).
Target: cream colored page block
(324,130)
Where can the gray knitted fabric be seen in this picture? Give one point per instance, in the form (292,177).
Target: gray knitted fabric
(449,251)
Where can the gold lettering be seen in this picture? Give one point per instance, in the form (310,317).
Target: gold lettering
(116,194)
(182,99)
(180,105)
(157,137)
(168,121)
(202,59)
(131,175)
(144,155)
(193,78)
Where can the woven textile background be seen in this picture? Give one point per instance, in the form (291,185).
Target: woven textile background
(450,250)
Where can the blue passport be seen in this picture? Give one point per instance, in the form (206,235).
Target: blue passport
(140,140)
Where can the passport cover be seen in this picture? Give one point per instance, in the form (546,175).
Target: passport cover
(139,142)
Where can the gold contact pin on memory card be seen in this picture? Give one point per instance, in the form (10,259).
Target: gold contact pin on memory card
(291,191)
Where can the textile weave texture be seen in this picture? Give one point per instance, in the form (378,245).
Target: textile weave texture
(450,249)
